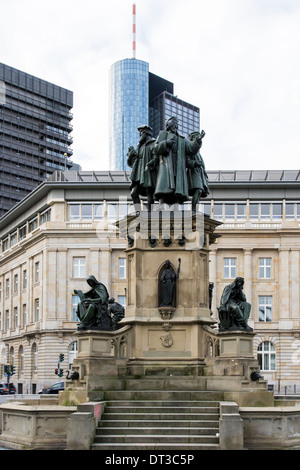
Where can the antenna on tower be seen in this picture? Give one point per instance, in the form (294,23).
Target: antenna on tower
(133,30)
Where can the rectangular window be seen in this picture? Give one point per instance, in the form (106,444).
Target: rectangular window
(37,309)
(22,232)
(6,320)
(24,279)
(265,308)
(290,210)
(112,211)
(229,268)
(218,211)
(33,224)
(277,211)
(16,283)
(7,287)
(241,211)
(205,209)
(75,301)
(13,239)
(37,271)
(298,211)
(74,211)
(45,216)
(229,211)
(265,268)
(123,210)
(79,267)
(86,211)
(5,245)
(253,211)
(122,268)
(16,316)
(122,300)
(24,314)
(265,211)
(98,211)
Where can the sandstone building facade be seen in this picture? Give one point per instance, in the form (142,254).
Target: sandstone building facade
(64,231)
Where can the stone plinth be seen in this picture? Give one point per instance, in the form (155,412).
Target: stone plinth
(167,336)
(100,362)
(236,344)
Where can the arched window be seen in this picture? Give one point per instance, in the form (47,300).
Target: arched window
(266,356)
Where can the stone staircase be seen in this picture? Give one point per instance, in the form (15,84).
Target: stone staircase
(150,420)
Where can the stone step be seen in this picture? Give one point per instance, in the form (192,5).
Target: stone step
(157,438)
(146,430)
(136,446)
(163,395)
(151,419)
(173,403)
(160,409)
(160,423)
(161,416)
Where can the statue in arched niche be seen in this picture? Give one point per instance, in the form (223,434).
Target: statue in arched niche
(167,285)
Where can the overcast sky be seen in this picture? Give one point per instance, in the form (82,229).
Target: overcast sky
(238,60)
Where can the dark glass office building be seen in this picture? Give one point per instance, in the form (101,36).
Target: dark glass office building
(137,97)
(166,105)
(35,128)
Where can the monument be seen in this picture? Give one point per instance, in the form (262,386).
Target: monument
(234,311)
(167,329)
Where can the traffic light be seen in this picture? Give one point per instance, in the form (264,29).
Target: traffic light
(61,373)
(6,369)
(61,357)
(12,370)
(56,371)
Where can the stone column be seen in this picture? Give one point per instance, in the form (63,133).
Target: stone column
(284,276)
(51,285)
(295,276)
(106,268)
(94,262)
(61,300)
(44,284)
(30,314)
(248,274)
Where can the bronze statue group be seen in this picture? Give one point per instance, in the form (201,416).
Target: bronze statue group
(169,170)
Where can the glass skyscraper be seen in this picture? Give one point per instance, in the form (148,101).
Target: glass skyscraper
(138,97)
(129,107)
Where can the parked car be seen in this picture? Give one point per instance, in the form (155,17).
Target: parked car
(7,389)
(54,389)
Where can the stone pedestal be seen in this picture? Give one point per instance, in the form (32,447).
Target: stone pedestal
(236,344)
(174,346)
(232,370)
(167,337)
